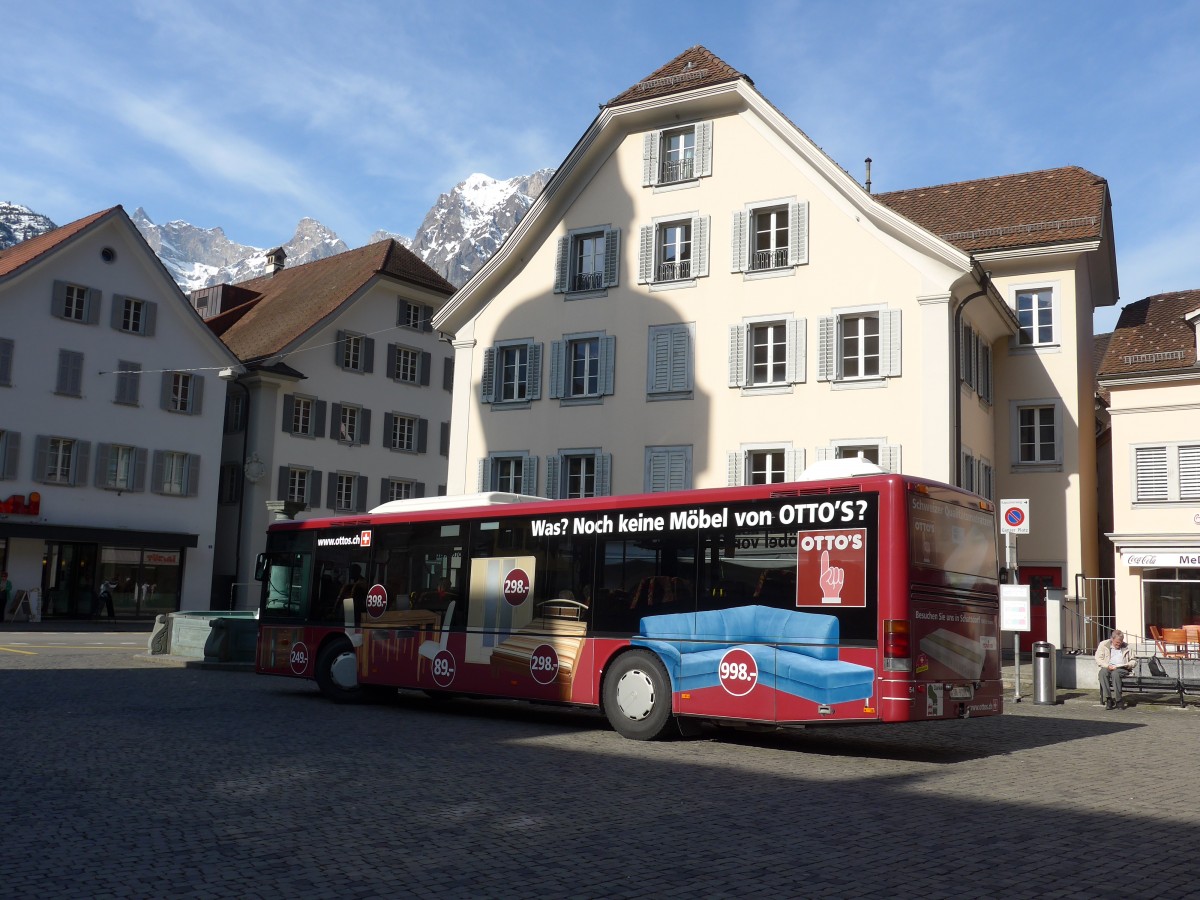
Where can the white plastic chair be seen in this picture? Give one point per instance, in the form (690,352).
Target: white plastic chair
(430,649)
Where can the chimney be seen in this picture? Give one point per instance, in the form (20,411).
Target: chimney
(275,260)
(868,184)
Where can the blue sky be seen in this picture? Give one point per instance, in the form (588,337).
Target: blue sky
(252,115)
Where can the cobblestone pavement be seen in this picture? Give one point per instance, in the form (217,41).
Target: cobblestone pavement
(129,776)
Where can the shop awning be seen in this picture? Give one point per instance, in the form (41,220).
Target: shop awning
(1160,557)
(78,534)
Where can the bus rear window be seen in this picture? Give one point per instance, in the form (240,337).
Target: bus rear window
(951,538)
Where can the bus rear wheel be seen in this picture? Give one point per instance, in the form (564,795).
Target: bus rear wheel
(337,672)
(637,696)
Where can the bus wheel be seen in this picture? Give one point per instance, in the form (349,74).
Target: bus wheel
(337,672)
(637,696)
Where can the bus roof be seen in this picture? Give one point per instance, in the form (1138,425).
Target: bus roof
(457,501)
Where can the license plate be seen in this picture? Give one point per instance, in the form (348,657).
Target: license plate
(962,692)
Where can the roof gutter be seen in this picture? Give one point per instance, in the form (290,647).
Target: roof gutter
(985,288)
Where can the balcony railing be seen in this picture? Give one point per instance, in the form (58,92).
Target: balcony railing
(587,281)
(674,271)
(768,259)
(677,170)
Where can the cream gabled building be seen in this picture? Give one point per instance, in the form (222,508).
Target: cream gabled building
(702,297)
(1151,375)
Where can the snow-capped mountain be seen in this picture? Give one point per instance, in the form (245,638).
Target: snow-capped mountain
(468,224)
(19,223)
(458,235)
(199,257)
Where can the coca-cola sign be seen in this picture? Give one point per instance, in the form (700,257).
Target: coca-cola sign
(1153,558)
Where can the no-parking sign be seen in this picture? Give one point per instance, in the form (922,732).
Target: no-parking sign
(1014,517)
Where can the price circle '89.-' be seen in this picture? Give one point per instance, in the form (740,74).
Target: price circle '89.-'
(738,672)
(443,668)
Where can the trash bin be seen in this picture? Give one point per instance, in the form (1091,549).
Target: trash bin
(1044,674)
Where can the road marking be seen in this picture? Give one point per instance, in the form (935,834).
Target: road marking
(14,650)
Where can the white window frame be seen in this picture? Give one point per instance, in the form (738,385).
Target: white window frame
(492,479)
(299,485)
(132,315)
(741,462)
(559,475)
(888,455)
(353,352)
(61,459)
(568,277)
(345,497)
(1054,287)
(304,410)
(403,432)
(744,256)
(408,365)
(654,156)
(651,264)
(741,354)
(182,393)
(398,489)
(1016,407)
(120,467)
(492,383)
(350,423)
(563,358)
(175,473)
(831,345)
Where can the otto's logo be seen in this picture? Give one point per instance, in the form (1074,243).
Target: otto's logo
(298,658)
(364,539)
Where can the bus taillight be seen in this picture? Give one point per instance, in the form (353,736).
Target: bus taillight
(896,654)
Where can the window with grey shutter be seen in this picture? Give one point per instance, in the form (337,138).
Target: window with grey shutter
(646,254)
(650,147)
(700,246)
(889,343)
(670,365)
(612,257)
(562,265)
(668,469)
(444,439)
(798,233)
(10,454)
(6,362)
(827,369)
(448,373)
(739,240)
(487,385)
(129,380)
(70,373)
(704,131)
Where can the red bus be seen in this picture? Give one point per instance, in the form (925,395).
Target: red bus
(846,600)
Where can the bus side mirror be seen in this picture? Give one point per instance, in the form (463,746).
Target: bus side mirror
(260,566)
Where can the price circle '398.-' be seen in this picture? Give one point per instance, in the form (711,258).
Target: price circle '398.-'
(738,672)
(443,668)
(376,601)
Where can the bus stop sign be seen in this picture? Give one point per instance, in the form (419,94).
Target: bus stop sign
(1014,517)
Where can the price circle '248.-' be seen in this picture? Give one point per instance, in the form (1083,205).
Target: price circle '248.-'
(516,586)
(738,672)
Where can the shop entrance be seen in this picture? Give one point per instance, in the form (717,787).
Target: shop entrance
(69,580)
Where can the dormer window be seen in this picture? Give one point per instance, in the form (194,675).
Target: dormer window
(677,155)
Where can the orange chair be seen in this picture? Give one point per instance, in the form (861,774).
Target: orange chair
(1192,635)
(1173,644)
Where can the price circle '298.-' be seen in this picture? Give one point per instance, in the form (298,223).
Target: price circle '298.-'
(516,586)
(543,664)
(298,657)
(738,672)
(443,668)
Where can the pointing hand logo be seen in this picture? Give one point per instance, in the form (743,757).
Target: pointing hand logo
(832,579)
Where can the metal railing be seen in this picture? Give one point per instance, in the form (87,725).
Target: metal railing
(587,281)
(676,170)
(769,259)
(674,271)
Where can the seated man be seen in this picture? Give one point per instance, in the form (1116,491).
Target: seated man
(1115,659)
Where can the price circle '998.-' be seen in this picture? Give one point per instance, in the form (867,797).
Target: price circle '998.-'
(298,657)
(376,601)
(443,668)
(516,587)
(738,672)
(543,664)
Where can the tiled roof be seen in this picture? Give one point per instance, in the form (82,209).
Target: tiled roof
(693,68)
(291,301)
(1053,206)
(19,255)
(1152,336)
